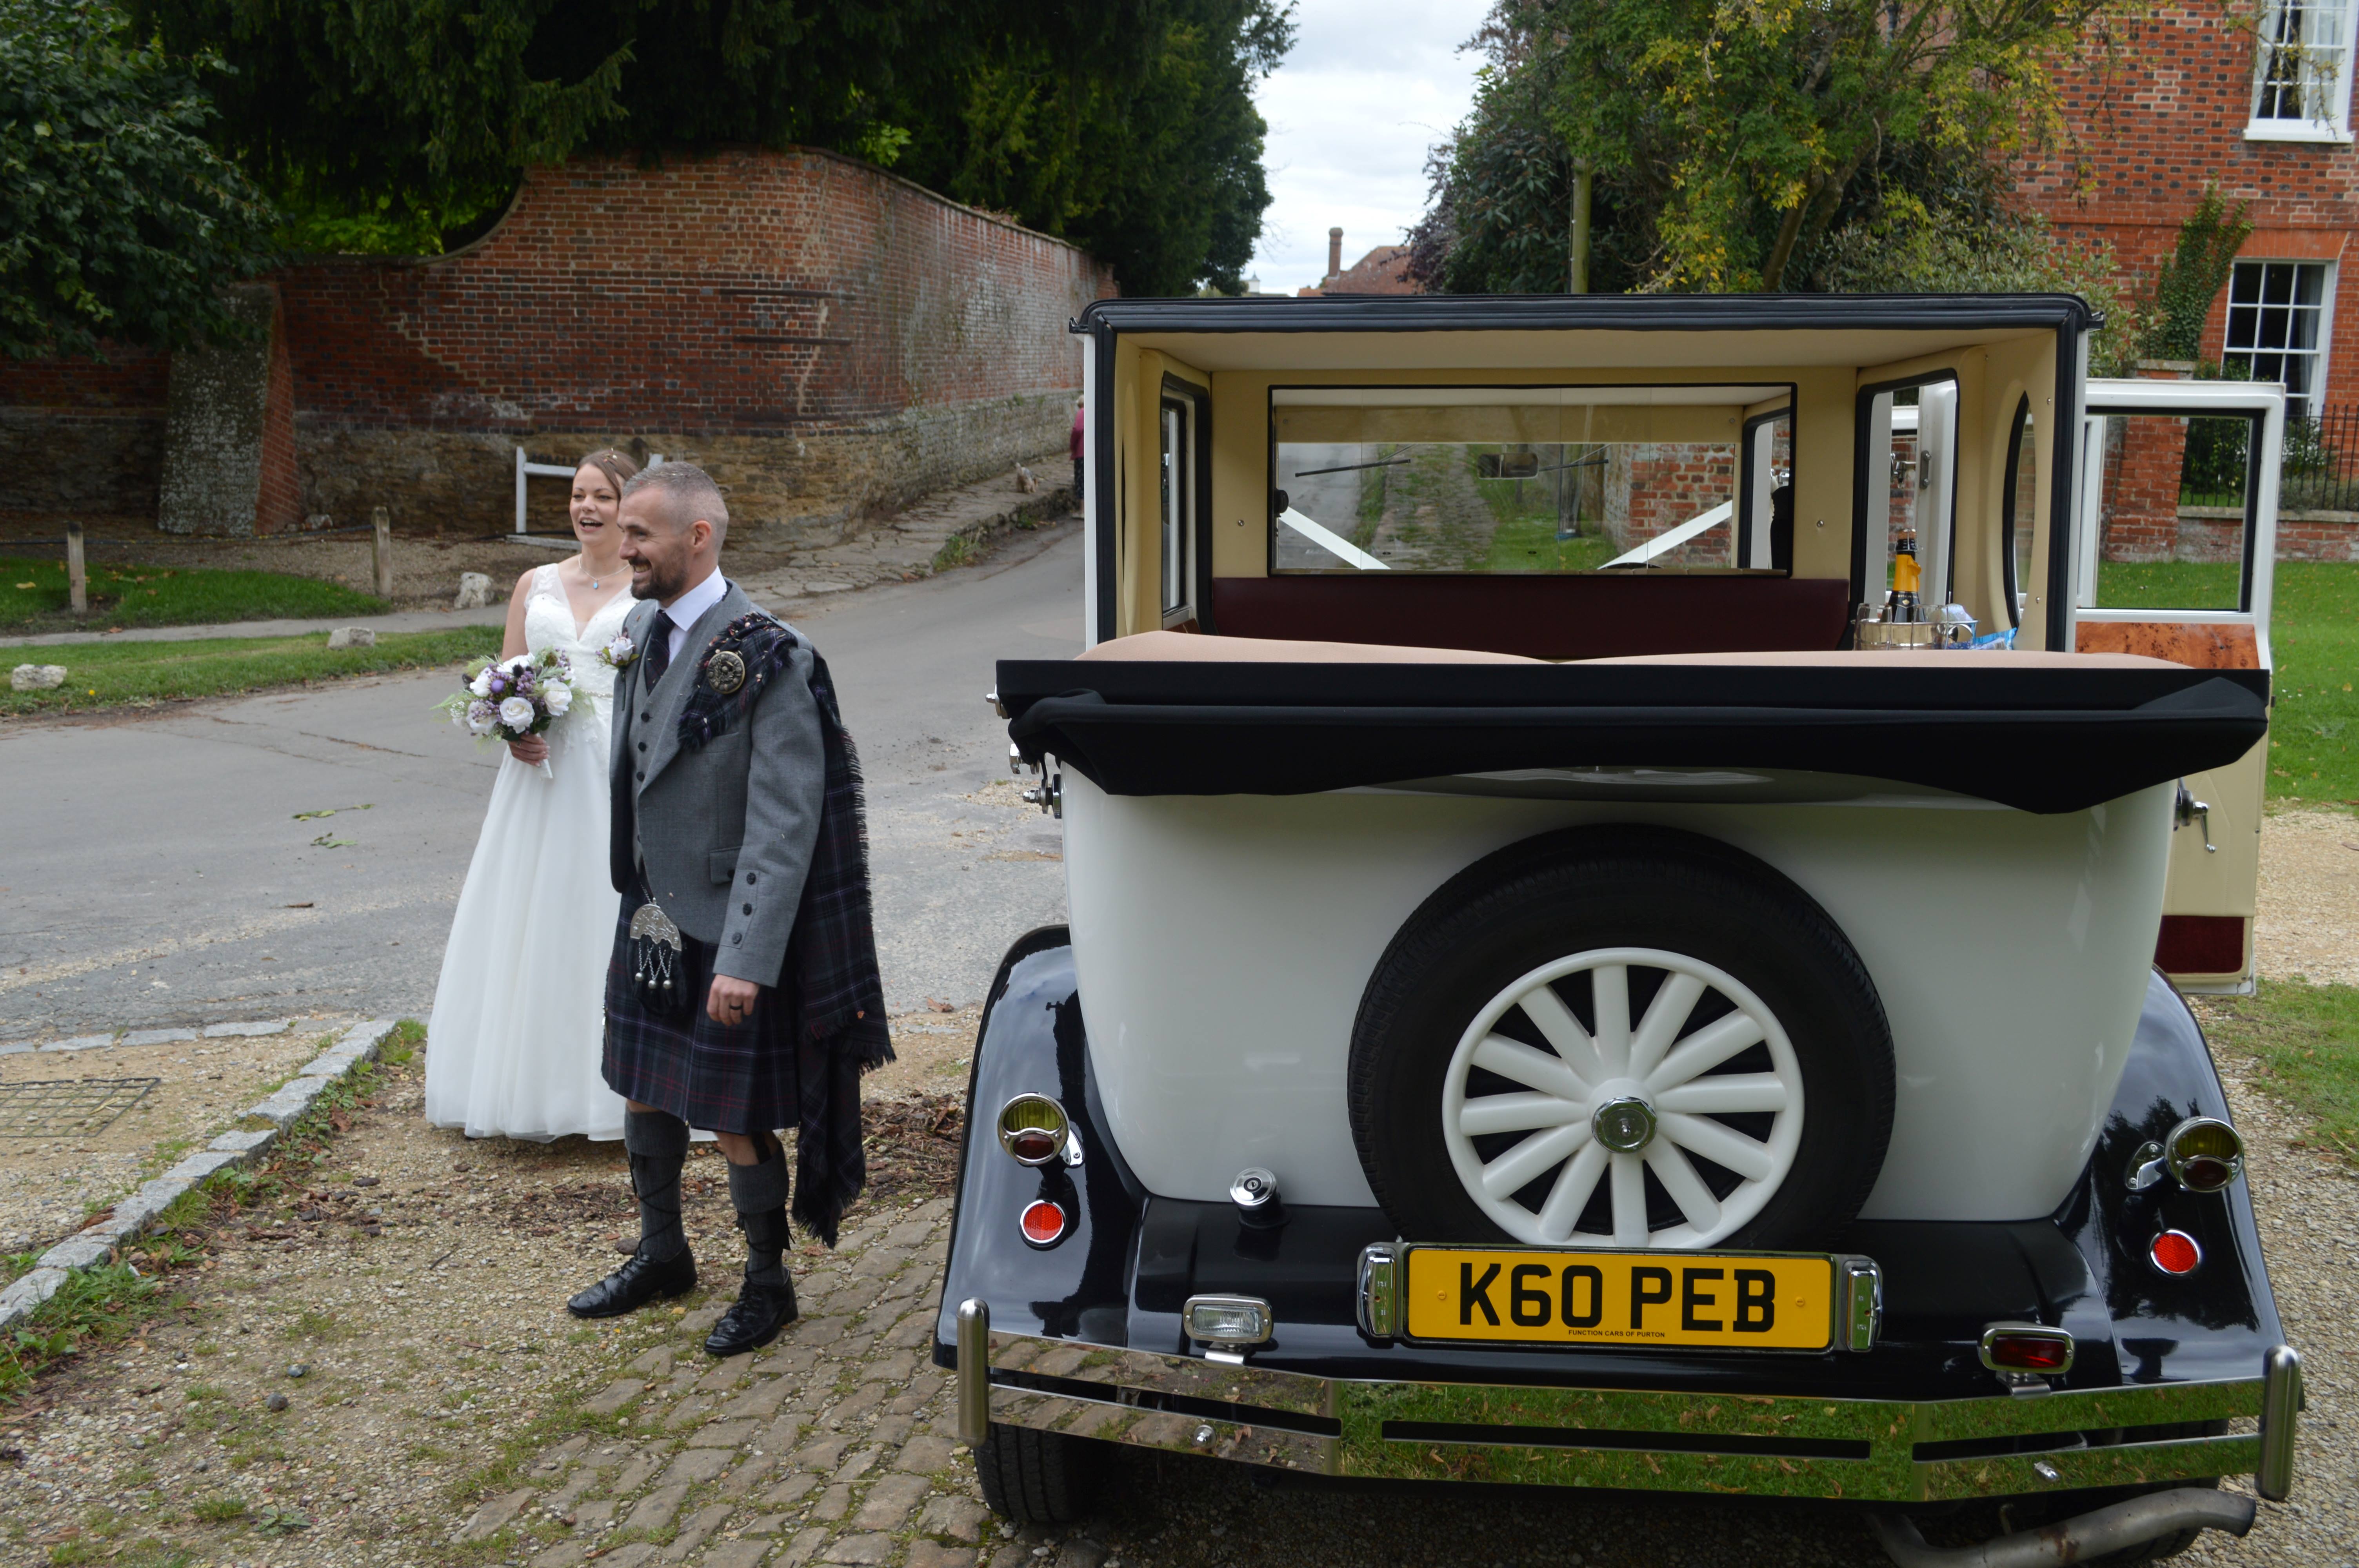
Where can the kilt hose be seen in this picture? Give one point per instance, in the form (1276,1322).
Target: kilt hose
(716,1077)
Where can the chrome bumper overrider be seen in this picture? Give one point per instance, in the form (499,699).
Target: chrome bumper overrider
(1865,1450)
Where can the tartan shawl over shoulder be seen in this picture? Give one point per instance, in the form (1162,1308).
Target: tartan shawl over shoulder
(836,997)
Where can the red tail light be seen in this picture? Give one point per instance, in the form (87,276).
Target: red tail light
(2026,1347)
(2176,1252)
(1043,1223)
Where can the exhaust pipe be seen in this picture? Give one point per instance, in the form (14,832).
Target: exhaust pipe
(2078,1539)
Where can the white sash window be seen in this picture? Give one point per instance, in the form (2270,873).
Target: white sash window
(2302,76)
(2277,324)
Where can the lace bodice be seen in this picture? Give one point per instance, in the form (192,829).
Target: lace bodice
(549,623)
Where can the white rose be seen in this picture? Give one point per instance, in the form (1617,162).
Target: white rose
(559,698)
(482,717)
(516,714)
(481,684)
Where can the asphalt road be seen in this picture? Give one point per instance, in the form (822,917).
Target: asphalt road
(163,868)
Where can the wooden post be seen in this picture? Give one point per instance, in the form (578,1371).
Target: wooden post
(1584,180)
(381,552)
(77,573)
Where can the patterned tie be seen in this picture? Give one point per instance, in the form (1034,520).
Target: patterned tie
(658,648)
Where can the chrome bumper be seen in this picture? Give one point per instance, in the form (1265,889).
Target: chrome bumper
(1782,1445)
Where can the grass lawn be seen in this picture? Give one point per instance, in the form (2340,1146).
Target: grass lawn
(1525,538)
(2314,635)
(109,674)
(2308,1038)
(33,597)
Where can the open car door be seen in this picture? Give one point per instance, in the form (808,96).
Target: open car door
(2174,542)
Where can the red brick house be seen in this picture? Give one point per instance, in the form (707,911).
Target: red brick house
(2257,101)
(1384,270)
(2196,93)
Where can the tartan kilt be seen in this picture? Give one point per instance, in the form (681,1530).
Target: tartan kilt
(716,1077)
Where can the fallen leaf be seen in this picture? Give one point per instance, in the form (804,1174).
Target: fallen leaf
(305,905)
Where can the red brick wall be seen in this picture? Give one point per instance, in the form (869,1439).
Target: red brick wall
(126,380)
(2164,117)
(1651,488)
(747,292)
(278,505)
(822,335)
(2143,464)
(2315,538)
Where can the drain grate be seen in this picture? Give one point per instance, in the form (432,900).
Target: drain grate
(53,1107)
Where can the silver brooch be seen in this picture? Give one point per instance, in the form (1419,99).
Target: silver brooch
(725,672)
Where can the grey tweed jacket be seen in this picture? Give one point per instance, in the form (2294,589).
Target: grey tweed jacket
(722,834)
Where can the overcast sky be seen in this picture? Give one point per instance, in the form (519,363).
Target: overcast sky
(1370,85)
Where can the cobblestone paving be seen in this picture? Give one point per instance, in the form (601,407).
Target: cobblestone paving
(375,1369)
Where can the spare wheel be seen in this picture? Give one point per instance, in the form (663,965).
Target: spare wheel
(1622,1037)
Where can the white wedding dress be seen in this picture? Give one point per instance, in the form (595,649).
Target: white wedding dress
(519,1018)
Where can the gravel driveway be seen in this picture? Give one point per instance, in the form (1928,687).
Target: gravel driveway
(449,1413)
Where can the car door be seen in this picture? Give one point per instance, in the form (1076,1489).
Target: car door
(2174,542)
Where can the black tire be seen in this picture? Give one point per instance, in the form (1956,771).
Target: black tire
(1038,1478)
(1588,889)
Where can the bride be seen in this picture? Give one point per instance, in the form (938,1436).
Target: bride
(514,1047)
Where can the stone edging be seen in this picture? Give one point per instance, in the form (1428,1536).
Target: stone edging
(138,1213)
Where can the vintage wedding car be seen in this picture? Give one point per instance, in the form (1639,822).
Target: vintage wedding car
(1623,857)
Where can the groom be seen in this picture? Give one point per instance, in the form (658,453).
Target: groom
(738,847)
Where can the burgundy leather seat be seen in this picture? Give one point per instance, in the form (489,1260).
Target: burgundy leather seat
(1594,616)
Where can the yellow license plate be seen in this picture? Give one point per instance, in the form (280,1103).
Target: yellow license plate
(1717,1300)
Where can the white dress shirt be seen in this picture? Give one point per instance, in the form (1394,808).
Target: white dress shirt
(690,608)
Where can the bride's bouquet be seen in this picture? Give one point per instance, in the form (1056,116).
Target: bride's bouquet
(507,699)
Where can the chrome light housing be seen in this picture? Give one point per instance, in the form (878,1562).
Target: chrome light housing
(1228,1320)
(2027,1349)
(2204,1155)
(1034,1129)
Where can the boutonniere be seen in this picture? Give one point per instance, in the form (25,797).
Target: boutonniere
(619,653)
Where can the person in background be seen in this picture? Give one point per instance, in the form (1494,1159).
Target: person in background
(1077,449)
(513,1046)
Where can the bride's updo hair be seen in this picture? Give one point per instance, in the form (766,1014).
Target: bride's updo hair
(616,466)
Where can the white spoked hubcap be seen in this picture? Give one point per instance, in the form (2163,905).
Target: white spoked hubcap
(1609,1102)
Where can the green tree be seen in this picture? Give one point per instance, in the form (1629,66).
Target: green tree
(118,220)
(1129,129)
(403,124)
(1729,141)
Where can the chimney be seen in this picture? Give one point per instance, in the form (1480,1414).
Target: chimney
(1335,252)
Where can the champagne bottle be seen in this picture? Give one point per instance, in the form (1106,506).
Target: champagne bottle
(1901,603)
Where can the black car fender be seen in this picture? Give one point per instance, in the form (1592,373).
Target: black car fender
(1031,1040)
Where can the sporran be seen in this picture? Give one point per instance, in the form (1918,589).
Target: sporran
(658,971)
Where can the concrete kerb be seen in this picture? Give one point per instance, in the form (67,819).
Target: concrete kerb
(137,1213)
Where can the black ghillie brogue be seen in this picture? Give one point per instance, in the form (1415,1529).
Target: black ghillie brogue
(761,1310)
(635,1284)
